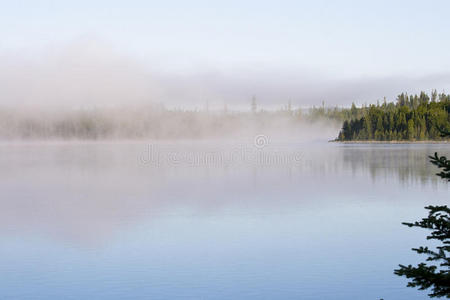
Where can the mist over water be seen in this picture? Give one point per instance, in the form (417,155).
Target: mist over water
(156,122)
(93,219)
(182,149)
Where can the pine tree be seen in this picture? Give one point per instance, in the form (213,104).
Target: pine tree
(353,111)
(435,272)
(379,134)
(412,118)
(411,130)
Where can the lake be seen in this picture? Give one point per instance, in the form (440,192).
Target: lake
(247,219)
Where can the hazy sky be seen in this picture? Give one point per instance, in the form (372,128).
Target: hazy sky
(225,51)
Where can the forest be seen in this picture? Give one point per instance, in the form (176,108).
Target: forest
(411,118)
(154,121)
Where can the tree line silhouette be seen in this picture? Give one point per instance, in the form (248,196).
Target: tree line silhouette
(411,118)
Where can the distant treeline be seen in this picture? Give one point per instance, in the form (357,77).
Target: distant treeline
(411,118)
(417,117)
(153,122)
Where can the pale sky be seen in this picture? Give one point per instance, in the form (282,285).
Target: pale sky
(305,51)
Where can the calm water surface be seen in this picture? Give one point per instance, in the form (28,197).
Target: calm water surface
(212,220)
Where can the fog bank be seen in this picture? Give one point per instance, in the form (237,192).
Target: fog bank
(156,122)
(88,73)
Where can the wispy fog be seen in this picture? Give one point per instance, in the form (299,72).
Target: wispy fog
(155,122)
(88,73)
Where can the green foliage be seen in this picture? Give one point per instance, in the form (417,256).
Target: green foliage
(436,275)
(442,163)
(411,118)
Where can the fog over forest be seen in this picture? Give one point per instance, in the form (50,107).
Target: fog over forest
(88,89)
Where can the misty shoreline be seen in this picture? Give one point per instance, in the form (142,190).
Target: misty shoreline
(390,142)
(158,123)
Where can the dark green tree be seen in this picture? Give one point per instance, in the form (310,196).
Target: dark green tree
(411,118)
(435,272)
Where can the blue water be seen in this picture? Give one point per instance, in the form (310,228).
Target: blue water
(209,220)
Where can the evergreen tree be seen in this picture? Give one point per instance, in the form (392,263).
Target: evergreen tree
(379,132)
(353,111)
(435,272)
(411,118)
(411,130)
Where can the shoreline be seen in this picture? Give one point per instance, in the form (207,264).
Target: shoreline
(390,142)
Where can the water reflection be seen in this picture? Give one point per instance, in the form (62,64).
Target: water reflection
(408,163)
(266,225)
(83,192)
